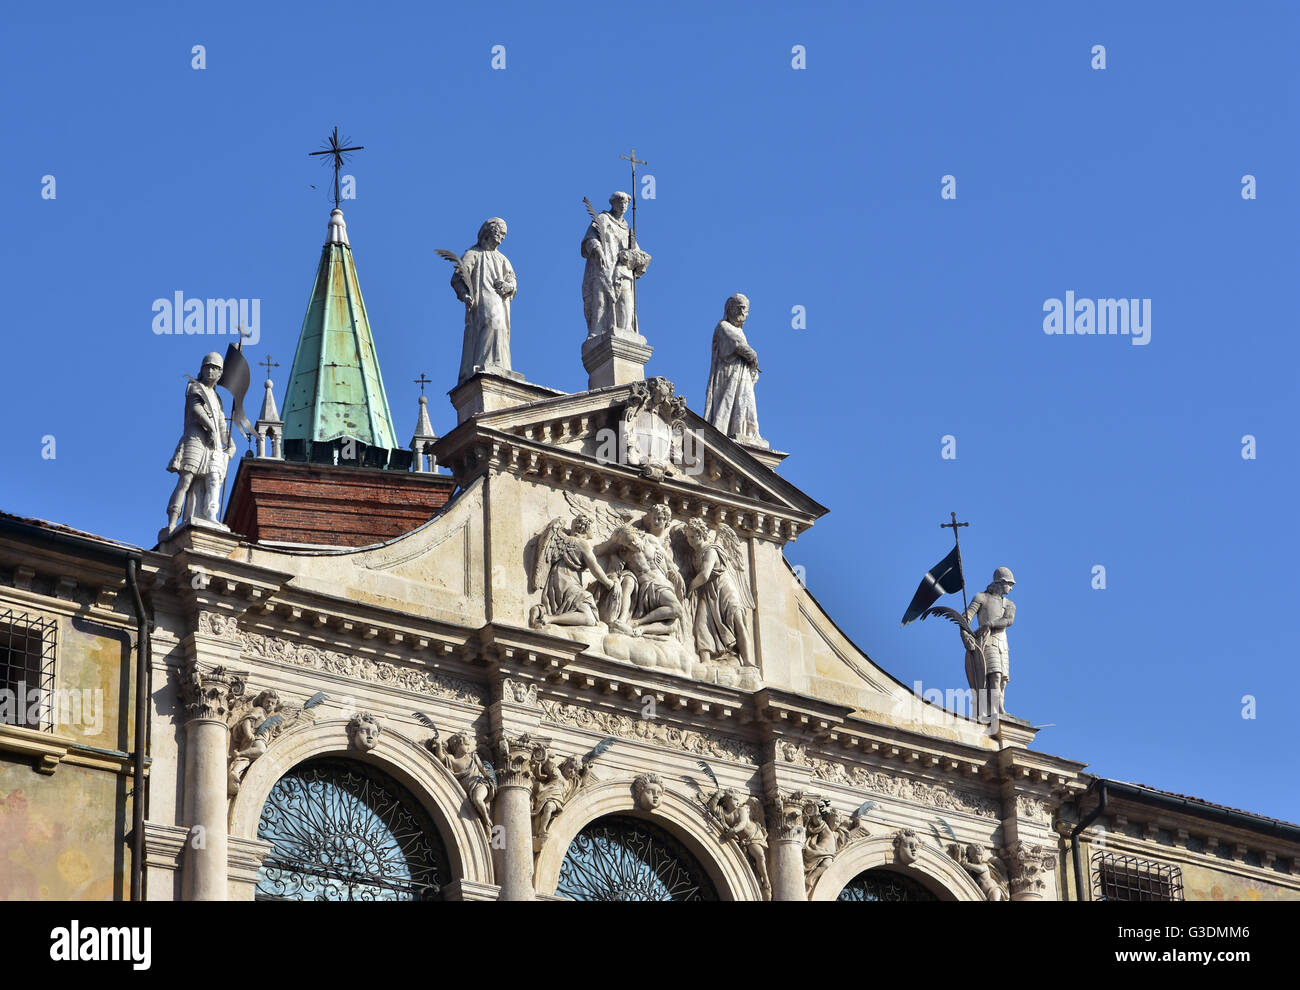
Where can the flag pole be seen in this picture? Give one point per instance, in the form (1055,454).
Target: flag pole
(954,525)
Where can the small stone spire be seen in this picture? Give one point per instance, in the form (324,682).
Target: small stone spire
(269,426)
(338,230)
(423,439)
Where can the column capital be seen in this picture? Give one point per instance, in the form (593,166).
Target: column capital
(207,693)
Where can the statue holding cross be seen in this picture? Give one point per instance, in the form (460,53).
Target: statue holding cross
(614,263)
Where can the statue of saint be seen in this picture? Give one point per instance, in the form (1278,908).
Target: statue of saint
(987,668)
(729,401)
(204,450)
(485,282)
(612,263)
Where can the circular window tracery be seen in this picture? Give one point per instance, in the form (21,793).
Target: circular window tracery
(344,831)
(884,885)
(620,858)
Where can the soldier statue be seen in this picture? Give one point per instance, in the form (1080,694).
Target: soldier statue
(987,669)
(204,450)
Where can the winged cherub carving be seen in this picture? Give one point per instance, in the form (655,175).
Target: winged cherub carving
(561,558)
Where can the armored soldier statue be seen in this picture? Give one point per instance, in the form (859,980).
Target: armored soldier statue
(204,450)
(986,657)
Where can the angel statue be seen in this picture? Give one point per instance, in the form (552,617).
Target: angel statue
(741,816)
(987,871)
(562,557)
(475,776)
(827,832)
(722,597)
(555,781)
(484,281)
(987,666)
(256,723)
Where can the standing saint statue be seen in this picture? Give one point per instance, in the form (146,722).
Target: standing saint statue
(613,262)
(729,402)
(204,450)
(987,659)
(485,282)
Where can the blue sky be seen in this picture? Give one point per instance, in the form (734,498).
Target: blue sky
(817,187)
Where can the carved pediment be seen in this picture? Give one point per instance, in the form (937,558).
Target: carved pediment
(637,443)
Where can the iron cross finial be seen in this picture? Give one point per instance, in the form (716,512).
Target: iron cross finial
(268,364)
(339,154)
(422,381)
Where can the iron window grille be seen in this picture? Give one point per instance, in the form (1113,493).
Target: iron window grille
(1127,878)
(27,647)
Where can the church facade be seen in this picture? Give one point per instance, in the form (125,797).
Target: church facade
(556,653)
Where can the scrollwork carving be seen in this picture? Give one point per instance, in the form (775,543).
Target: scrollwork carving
(652,731)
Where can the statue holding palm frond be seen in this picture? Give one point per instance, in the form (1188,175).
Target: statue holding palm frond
(484,281)
(740,816)
(475,776)
(987,655)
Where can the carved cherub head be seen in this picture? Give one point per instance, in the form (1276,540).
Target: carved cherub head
(648,790)
(458,744)
(908,846)
(582,524)
(975,853)
(363,731)
(268,701)
(732,799)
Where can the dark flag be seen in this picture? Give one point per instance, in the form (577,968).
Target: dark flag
(235,377)
(943,578)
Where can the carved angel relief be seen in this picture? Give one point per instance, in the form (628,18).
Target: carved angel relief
(827,832)
(987,870)
(254,724)
(679,585)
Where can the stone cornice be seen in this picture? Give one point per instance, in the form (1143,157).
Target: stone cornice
(471,449)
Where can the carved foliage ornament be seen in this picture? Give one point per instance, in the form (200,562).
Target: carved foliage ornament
(361,668)
(652,731)
(935,795)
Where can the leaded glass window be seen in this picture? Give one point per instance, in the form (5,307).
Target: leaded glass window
(884,885)
(626,859)
(344,831)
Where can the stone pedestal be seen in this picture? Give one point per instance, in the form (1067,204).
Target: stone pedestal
(615,359)
(488,392)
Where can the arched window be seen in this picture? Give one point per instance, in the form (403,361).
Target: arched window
(621,858)
(343,831)
(884,885)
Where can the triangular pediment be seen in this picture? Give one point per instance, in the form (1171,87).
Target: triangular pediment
(638,442)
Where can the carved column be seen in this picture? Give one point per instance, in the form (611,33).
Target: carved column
(1028,867)
(788,835)
(207,695)
(512,812)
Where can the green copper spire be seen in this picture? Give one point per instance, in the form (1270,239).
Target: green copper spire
(335,388)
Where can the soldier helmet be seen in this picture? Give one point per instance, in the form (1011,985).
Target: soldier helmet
(213,358)
(1004,574)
